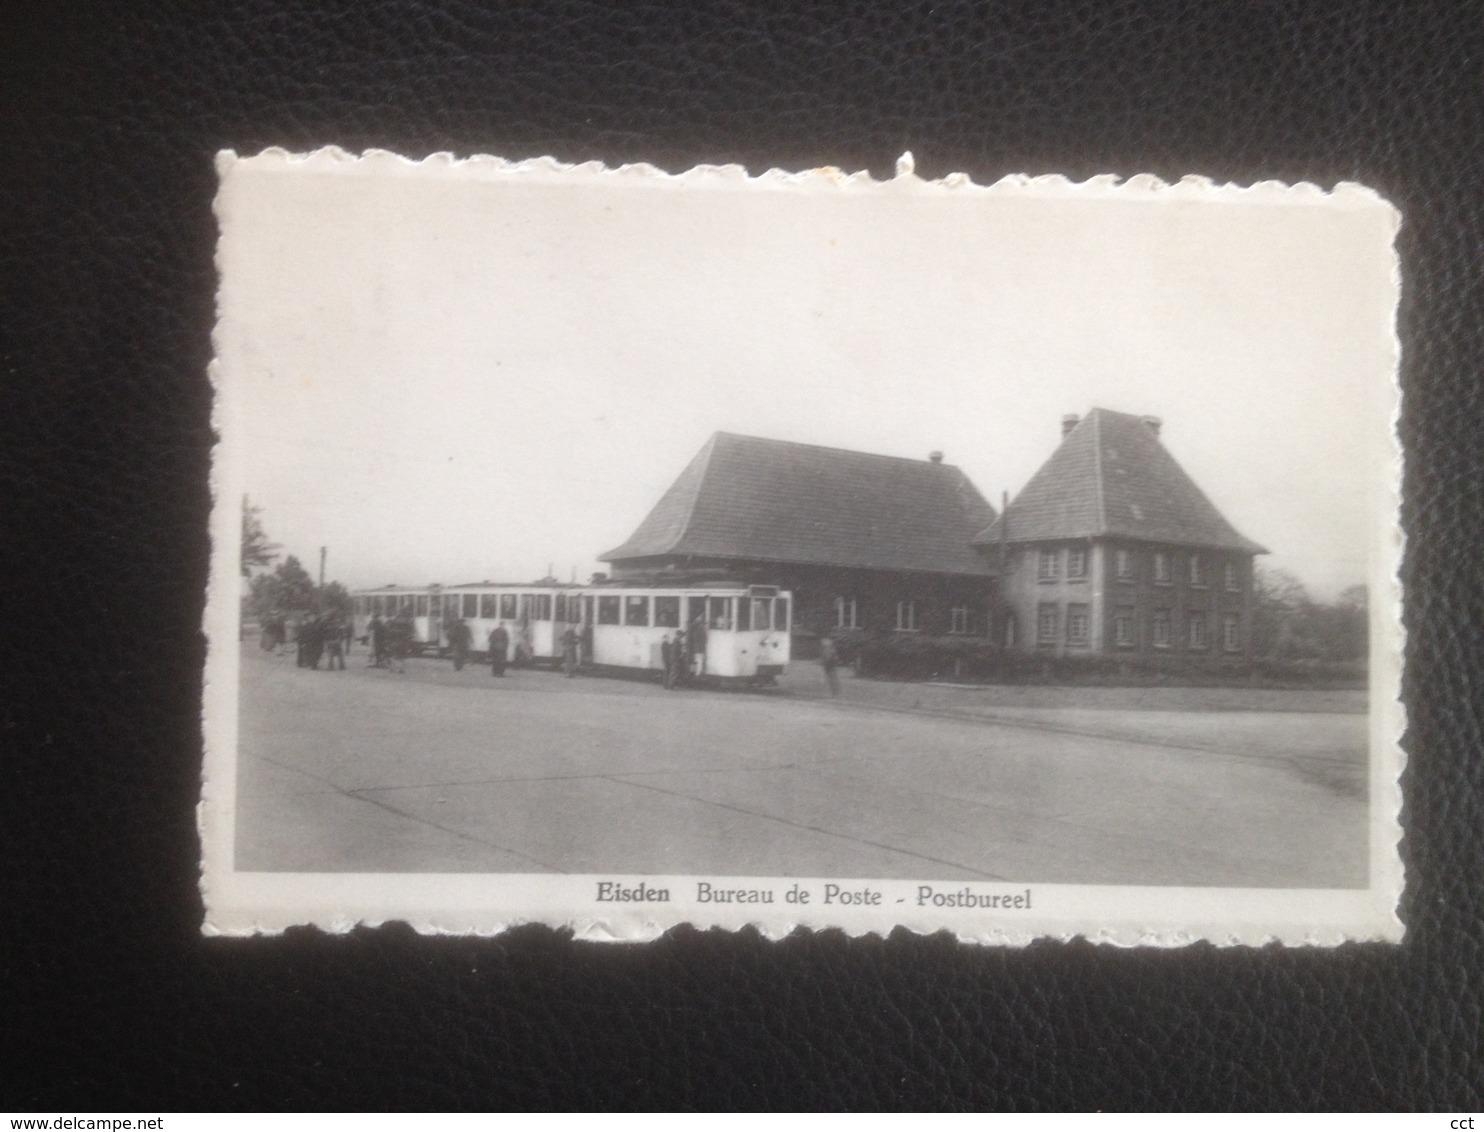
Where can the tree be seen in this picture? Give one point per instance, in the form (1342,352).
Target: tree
(1278,602)
(257,551)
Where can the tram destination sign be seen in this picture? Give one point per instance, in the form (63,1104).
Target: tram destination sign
(615,549)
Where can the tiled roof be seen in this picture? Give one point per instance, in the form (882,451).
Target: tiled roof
(1111,477)
(744,497)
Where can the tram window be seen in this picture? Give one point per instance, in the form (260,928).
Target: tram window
(780,613)
(435,604)
(561,607)
(762,611)
(744,615)
(507,607)
(543,607)
(587,605)
(721,613)
(471,605)
(635,610)
(695,607)
(608,610)
(667,612)
(422,606)
(487,605)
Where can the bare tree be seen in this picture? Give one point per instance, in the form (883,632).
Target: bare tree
(257,551)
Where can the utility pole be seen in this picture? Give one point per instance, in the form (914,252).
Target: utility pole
(322,567)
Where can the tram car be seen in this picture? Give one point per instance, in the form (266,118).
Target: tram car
(535,617)
(620,627)
(746,629)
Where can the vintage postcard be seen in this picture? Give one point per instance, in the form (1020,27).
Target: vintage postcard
(613,550)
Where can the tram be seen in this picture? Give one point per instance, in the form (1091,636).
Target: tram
(621,627)
(746,629)
(535,617)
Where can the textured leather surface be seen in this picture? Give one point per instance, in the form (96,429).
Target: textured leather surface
(110,117)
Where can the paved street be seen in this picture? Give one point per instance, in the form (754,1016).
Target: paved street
(440,771)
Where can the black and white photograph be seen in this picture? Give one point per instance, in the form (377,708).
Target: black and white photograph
(614,549)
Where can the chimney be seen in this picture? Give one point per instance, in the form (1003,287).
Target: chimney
(935,456)
(1069,422)
(1152,423)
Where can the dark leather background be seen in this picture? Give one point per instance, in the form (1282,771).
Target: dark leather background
(109,999)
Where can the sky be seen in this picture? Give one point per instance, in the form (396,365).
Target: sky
(454,372)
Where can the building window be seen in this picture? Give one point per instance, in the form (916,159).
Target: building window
(846,613)
(608,609)
(1076,564)
(960,620)
(1123,627)
(1046,623)
(1077,625)
(1161,568)
(1161,629)
(1123,564)
(1197,630)
(1050,565)
(667,612)
(1231,639)
(1232,580)
(1197,571)
(906,616)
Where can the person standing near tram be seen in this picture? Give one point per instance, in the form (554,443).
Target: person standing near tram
(376,631)
(569,651)
(829,660)
(459,639)
(499,646)
(696,641)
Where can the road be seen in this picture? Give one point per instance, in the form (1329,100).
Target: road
(443,771)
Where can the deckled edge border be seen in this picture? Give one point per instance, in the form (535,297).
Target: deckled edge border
(1387,625)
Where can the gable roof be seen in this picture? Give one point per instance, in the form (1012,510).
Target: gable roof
(745,497)
(1111,477)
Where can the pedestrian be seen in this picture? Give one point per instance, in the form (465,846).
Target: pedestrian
(377,632)
(679,659)
(829,660)
(569,651)
(697,642)
(316,644)
(399,640)
(499,646)
(459,638)
(667,659)
(335,644)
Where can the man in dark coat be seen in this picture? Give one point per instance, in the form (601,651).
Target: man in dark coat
(377,632)
(459,639)
(334,631)
(569,651)
(667,659)
(499,647)
(399,639)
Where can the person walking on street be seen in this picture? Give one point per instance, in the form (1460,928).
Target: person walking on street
(569,651)
(829,660)
(335,644)
(399,640)
(667,660)
(499,646)
(377,632)
(459,639)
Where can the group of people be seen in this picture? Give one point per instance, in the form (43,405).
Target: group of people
(321,636)
(683,657)
(391,641)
